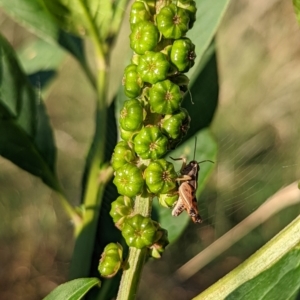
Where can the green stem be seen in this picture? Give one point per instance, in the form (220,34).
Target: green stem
(70,211)
(137,257)
(96,178)
(85,235)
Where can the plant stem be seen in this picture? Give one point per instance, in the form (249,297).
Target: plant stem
(97,175)
(94,189)
(137,257)
(85,236)
(71,212)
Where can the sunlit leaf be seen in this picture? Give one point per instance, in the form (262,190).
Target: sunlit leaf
(82,17)
(208,18)
(73,290)
(40,60)
(202,101)
(273,272)
(34,16)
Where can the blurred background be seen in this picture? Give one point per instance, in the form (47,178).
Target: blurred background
(256,126)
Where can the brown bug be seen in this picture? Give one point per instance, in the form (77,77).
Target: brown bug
(187,188)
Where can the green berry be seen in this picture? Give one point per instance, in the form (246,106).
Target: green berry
(122,155)
(150,143)
(175,126)
(168,200)
(129,180)
(183,54)
(127,135)
(139,232)
(132,82)
(173,22)
(144,37)
(160,176)
(190,8)
(111,260)
(138,13)
(165,97)
(121,208)
(131,115)
(153,67)
(159,246)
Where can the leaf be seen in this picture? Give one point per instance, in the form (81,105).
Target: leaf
(208,18)
(273,272)
(205,93)
(297,9)
(74,289)
(206,149)
(281,281)
(26,136)
(39,55)
(40,60)
(34,16)
(82,17)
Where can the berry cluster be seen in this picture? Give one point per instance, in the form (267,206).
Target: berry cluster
(152,121)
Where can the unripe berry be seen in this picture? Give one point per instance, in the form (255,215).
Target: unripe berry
(111,260)
(139,231)
(150,143)
(129,180)
(160,176)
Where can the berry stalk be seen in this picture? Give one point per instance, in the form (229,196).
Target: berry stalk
(152,122)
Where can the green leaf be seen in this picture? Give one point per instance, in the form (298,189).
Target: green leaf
(39,55)
(26,136)
(273,272)
(281,281)
(74,289)
(34,16)
(204,92)
(81,17)
(297,9)
(40,60)
(206,149)
(208,18)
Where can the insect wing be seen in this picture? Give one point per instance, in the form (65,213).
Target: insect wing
(189,201)
(178,208)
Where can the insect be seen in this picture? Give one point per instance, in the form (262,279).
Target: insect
(187,188)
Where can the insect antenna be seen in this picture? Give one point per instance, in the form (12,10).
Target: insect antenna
(195,147)
(199,162)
